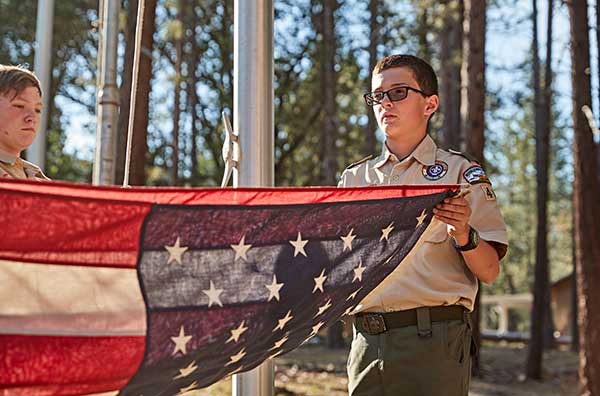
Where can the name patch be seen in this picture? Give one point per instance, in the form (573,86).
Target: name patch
(436,171)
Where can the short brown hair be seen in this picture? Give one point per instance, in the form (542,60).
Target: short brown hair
(16,79)
(423,72)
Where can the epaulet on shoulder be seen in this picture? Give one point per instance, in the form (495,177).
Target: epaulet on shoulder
(464,155)
(352,165)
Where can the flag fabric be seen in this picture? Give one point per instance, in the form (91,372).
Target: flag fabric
(160,291)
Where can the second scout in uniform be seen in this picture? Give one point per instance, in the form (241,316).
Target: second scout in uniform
(412,334)
(20,109)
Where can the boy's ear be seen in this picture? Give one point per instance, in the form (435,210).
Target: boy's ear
(433,102)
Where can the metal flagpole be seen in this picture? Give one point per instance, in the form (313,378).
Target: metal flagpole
(253,121)
(139,27)
(108,97)
(36,153)
(99,53)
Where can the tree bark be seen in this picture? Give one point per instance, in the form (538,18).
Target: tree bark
(374,39)
(473,107)
(586,205)
(193,105)
(473,75)
(177,98)
(541,322)
(137,174)
(451,41)
(329,81)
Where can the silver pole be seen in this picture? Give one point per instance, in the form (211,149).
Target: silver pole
(99,53)
(139,27)
(36,153)
(108,97)
(253,120)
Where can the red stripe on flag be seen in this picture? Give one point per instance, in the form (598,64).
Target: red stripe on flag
(68,230)
(67,365)
(218,196)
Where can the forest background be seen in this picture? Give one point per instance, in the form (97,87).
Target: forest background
(324,51)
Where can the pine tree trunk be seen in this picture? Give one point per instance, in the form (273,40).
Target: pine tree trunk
(329,81)
(451,41)
(137,174)
(177,99)
(473,74)
(374,39)
(549,341)
(586,205)
(541,316)
(473,106)
(193,104)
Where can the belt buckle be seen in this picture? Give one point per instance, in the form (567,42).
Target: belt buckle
(374,323)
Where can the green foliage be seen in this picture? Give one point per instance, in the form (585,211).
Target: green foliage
(511,154)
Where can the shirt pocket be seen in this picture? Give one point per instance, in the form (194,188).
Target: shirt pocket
(438,235)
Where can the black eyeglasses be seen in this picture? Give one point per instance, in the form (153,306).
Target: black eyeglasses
(395,95)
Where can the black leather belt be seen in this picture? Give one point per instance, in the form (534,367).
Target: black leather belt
(377,323)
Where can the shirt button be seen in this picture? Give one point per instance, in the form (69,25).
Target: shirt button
(396,178)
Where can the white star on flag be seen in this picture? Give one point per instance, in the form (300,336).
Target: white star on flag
(187,389)
(180,341)
(349,311)
(421,219)
(213,295)
(274,289)
(353,295)
(236,333)
(283,321)
(348,240)
(319,282)
(324,307)
(237,357)
(358,271)
(298,245)
(241,249)
(316,328)
(175,252)
(184,372)
(385,233)
(279,343)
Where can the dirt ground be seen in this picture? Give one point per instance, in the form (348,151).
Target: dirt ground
(316,371)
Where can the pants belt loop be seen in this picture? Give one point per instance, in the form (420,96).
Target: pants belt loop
(423,322)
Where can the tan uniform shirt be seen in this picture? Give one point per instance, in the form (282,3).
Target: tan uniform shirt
(15,167)
(436,274)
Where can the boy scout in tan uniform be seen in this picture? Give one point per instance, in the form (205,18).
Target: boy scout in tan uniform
(11,166)
(412,334)
(20,108)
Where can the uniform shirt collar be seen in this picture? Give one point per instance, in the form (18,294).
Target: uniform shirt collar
(7,158)
(424,153)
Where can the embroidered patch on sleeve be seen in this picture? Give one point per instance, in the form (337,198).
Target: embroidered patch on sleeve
(475,175)
(489,193)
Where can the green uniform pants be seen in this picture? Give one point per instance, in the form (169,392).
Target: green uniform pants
(399,362)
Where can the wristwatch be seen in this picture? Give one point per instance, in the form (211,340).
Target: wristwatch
(473,241)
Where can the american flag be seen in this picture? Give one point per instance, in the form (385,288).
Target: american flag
(160,291)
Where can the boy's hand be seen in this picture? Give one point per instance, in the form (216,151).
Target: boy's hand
(455,212)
